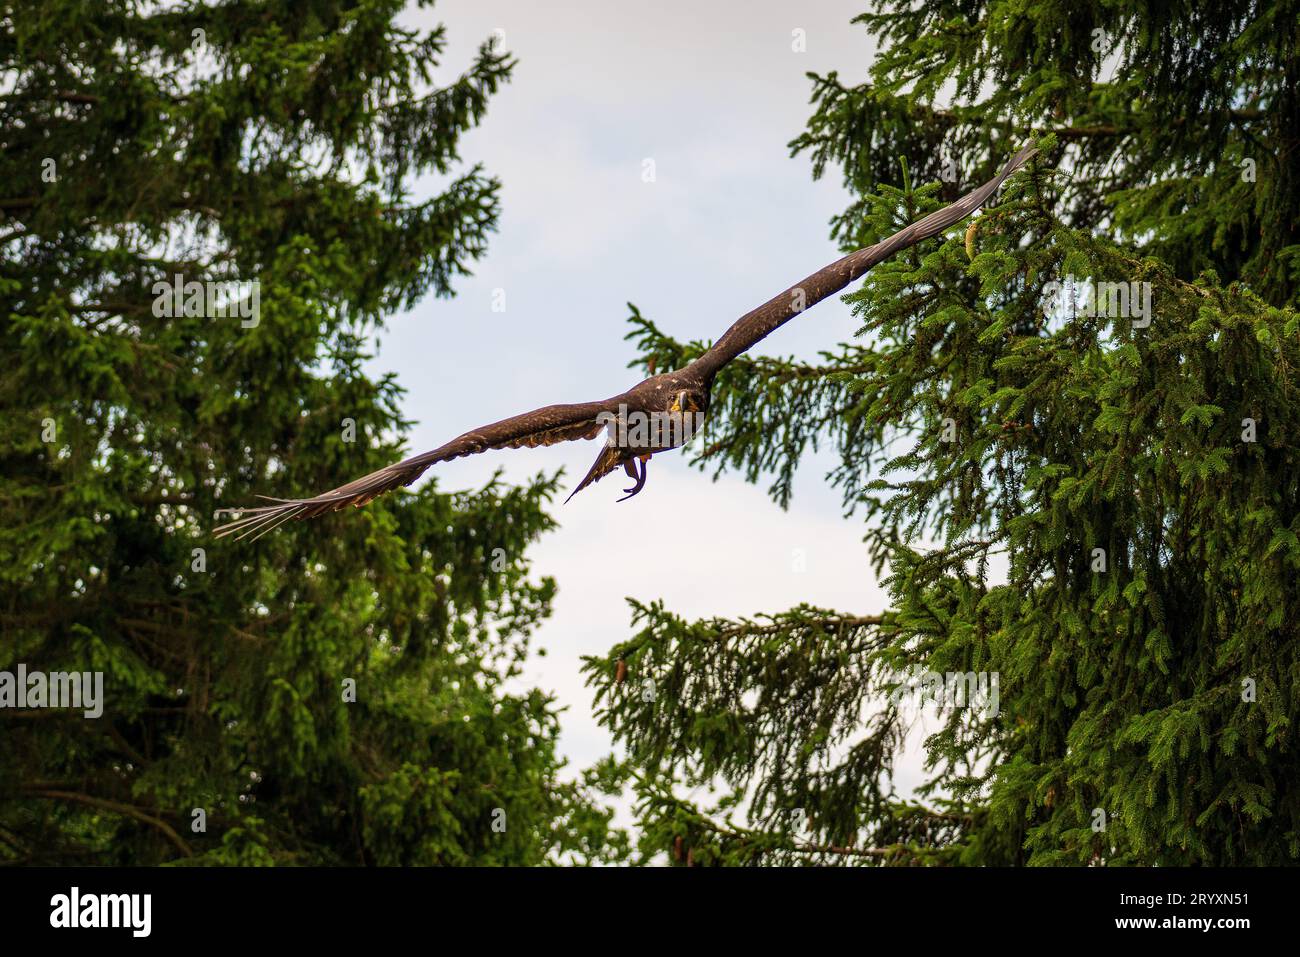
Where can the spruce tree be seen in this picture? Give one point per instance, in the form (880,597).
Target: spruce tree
(1094,502)
(334,693)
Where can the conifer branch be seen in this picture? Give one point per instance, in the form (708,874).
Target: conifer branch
(126,810)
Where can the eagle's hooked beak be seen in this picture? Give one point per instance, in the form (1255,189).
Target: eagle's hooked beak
(682,402)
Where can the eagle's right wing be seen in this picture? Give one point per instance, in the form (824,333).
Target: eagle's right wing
(546,426)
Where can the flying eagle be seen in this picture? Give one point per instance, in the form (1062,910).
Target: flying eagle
(655,415)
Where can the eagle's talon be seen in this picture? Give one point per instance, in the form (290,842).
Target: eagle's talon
(640,472)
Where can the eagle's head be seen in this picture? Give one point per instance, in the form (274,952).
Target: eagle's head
(689,400)
(687,408)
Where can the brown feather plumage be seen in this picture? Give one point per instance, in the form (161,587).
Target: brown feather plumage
(546,426)
(565,423)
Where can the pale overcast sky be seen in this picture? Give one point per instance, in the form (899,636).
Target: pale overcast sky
(712,93)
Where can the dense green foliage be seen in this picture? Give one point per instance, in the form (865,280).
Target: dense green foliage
(269,142)
(1102,512)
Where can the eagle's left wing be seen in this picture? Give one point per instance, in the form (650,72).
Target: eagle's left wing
(761,322)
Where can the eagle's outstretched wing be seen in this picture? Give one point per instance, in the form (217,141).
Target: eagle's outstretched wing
(562,423)
(546,426)
(761,322)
